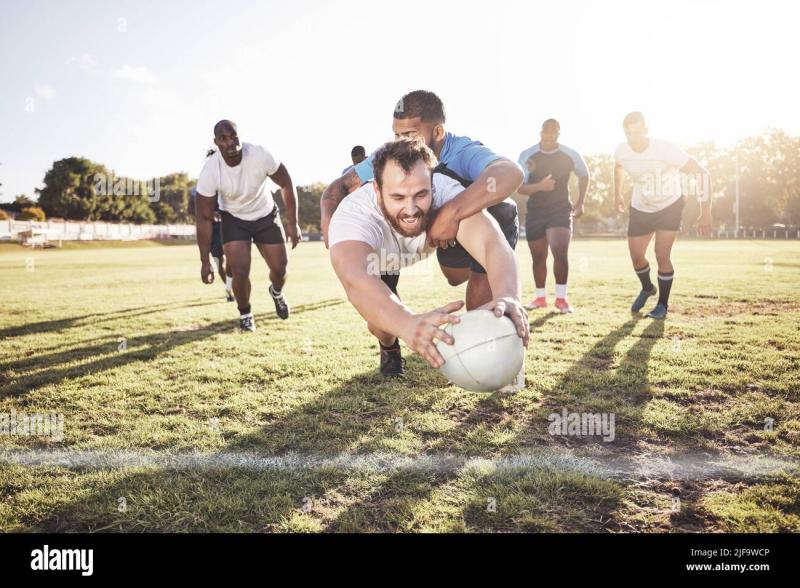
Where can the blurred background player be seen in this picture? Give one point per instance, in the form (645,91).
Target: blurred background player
(655,166)
(357,155)
(236,177)
(548,220)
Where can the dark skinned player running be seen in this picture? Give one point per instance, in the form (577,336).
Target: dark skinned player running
(238,174)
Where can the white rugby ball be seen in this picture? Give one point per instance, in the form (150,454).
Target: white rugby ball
(487,353)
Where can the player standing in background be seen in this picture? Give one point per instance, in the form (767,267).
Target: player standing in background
(548,219)
(656,207)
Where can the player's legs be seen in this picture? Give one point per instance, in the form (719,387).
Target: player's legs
(479,292)
(238,254)
(392,363)
(559,238)
(455,275)
(275,256)
(664,242)
(637,245)
(277,261)
(539,255)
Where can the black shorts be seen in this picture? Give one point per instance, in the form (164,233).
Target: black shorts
(506,215)
(216,241)
(669,219)
(268,229)
(391,280)
(538,221)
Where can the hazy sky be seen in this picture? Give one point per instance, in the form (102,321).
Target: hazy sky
(138,85)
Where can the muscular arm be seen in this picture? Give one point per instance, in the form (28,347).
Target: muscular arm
(204,220)
(333,195)
(703,181)
(481,237)
(381,308)
(493,185)
(583,188)
(284,181)
(366,292)
(619,201)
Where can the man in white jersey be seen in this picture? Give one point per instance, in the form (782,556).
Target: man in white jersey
(655,168)
(238,173)
(381,227)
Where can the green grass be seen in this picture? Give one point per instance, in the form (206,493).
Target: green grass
(141,357)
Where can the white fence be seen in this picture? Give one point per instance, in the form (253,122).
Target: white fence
(91,231)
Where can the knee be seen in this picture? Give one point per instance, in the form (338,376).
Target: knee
(455,280)
(560,257)
(239,270)
(279,270)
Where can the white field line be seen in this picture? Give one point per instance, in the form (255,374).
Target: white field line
(697,466)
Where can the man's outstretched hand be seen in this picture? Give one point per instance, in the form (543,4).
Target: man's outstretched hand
(513,309)
(423,329)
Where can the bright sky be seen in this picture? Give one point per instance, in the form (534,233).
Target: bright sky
(138,85)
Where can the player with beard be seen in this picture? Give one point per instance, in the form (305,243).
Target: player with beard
(489,180)
(382,227)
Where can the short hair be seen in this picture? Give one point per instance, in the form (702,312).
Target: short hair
(224,123)
(421,104)
(632,118)
(551,121)
(358,150)
(406,153)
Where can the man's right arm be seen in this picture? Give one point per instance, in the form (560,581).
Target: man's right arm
(619,201)
(381,308)
(333,195)
(204,219)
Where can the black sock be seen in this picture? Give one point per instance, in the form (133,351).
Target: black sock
(245,310)
(664,286)
(393,347)
(644,277)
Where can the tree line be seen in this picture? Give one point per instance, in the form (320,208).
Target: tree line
(768,164)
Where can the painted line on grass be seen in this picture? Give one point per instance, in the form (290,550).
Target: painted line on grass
(690,466)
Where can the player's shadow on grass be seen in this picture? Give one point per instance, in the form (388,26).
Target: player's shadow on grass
(94,318)
(108,356)
(593,384)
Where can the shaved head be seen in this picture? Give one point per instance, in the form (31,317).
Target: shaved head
(224,125)
(226,138)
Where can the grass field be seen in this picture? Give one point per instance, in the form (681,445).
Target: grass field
(174,421)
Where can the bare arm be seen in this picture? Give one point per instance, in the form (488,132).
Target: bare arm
(284,181)
(543,185)
(496,183)
(703,184)
(619,201)
(381,308)
(333,195)
(482,238)
(204,221)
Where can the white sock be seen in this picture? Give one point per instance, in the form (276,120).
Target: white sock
(561,291)
(541,292)
(273,292)
(249,314)
(228,283)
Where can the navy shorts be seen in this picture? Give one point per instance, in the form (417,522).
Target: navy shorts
(507,217)
(668,219)
(538,221)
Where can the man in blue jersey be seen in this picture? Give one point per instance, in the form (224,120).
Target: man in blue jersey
(548,221)
(357,155)
(489,180)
